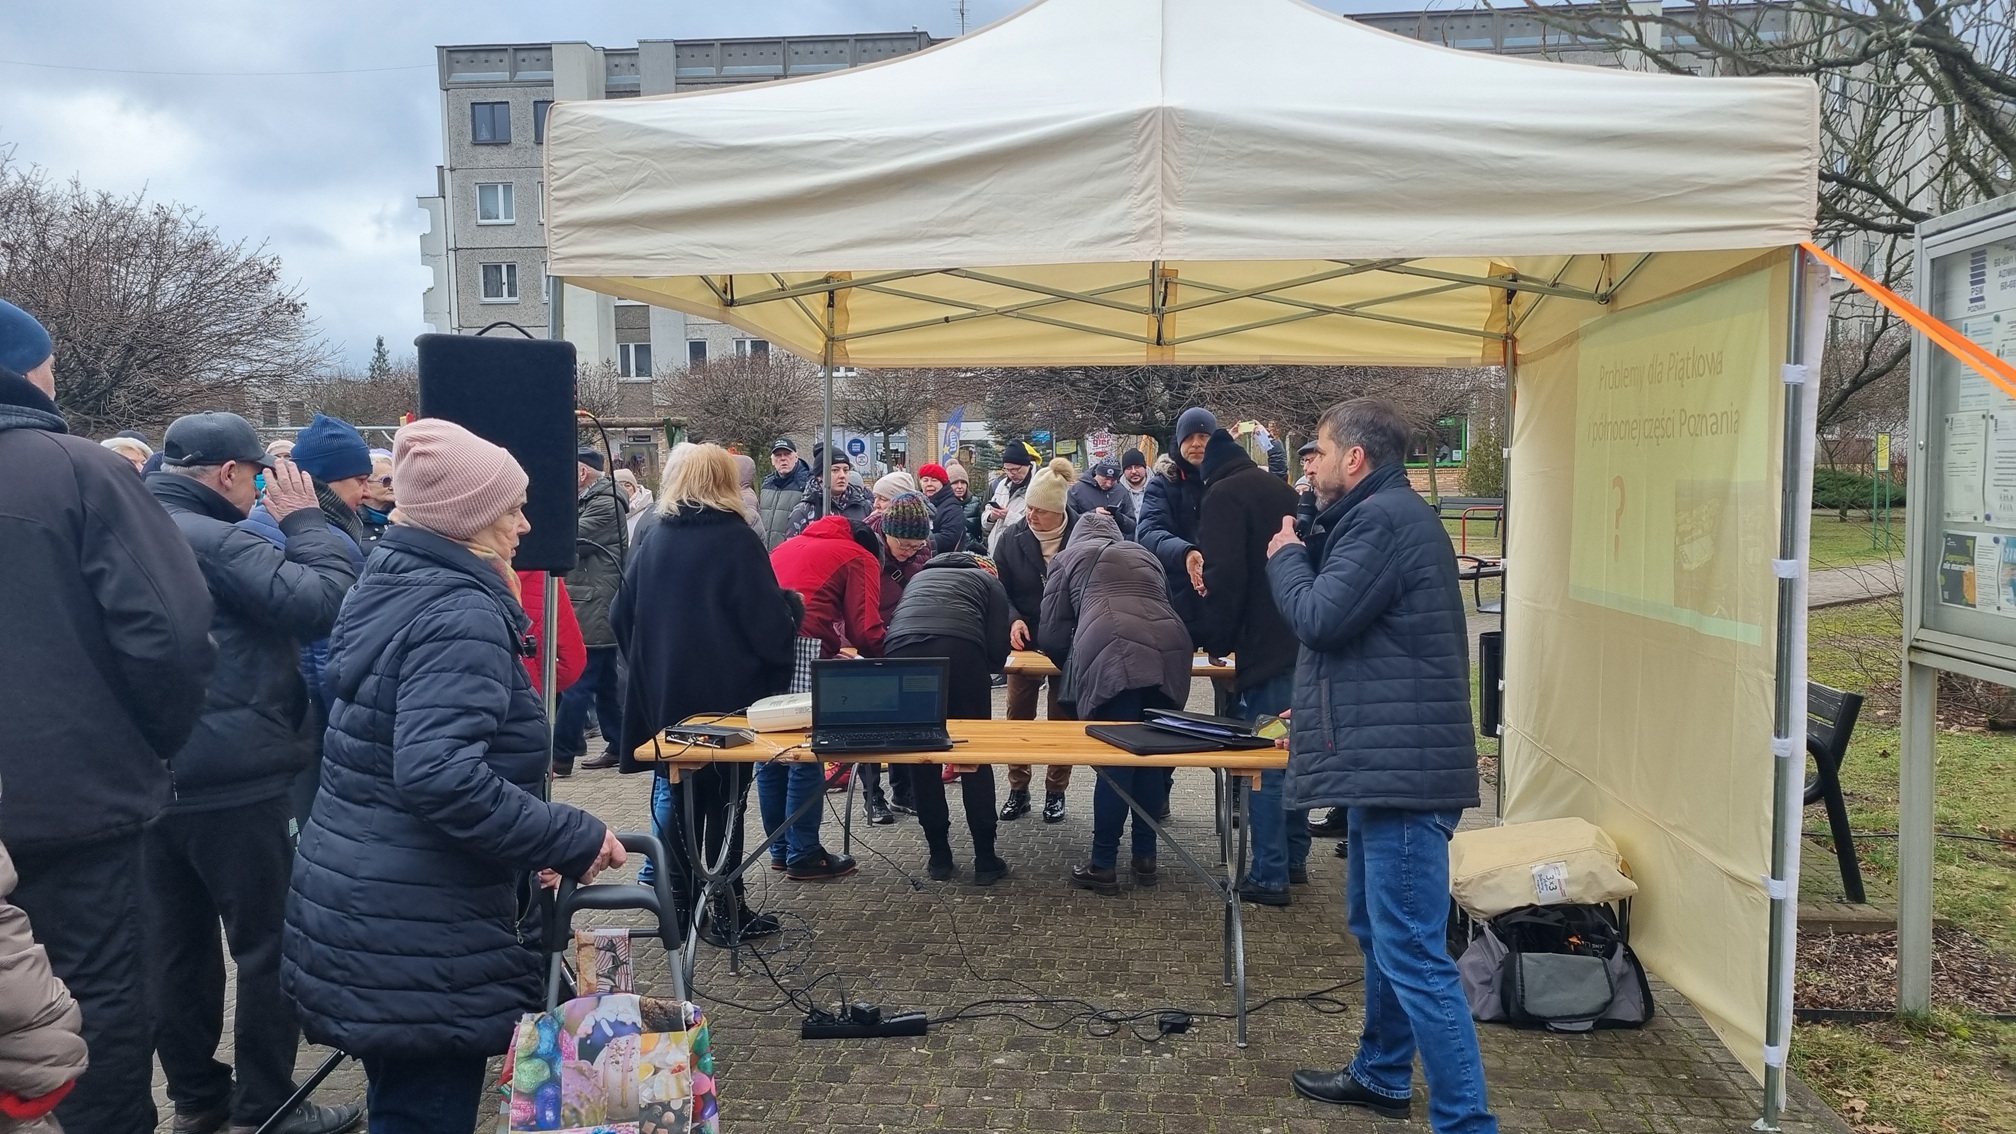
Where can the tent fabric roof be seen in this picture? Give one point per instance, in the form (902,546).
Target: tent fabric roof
(1084,144)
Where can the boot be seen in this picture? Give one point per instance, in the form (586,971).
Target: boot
(941,868)
(1017,805)
(1144,871)
(989,869)
(1053,807)
(901,798)
(1098,879)
(877,809)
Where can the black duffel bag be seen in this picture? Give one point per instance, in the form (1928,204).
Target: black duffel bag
(1566,968)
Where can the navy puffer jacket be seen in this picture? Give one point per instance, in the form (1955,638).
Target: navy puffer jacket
(1167,527)
(402,923)
(1382,685)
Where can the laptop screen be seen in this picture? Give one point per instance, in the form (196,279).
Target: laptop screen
(879,692)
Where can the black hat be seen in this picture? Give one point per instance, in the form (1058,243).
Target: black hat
(783,445)
(1106,468)
(201,439)
(590,457)
(1307,448)
(1133,457)
(840,457)
(1018,453)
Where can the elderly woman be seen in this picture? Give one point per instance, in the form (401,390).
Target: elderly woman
(402,944)
(705,630)
(133,450)
(1107,621)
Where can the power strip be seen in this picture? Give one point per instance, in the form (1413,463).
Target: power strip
(907,1024)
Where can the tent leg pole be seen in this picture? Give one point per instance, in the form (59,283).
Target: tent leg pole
(1505,544)
(826,427)
(1788,716)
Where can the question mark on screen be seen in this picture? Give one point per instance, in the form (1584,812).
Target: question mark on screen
(1617,520)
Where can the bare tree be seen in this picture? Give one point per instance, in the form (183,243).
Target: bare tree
(745,401)
(1918,119)
(882,402)
(376,397)
(152,312)
(598,388)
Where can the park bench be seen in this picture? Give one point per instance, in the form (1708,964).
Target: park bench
(1474,569)
(1830,721)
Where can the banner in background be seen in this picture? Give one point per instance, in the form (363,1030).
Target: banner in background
(948,444)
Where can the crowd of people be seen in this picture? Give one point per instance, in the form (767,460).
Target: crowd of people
(299,693)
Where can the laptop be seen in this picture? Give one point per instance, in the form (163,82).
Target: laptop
(867,705)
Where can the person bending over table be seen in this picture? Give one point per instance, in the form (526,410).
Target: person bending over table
(705,630)
(955,608)
(1023,554)
(1108,624)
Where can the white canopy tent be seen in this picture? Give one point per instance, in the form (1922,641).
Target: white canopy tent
(1258,181)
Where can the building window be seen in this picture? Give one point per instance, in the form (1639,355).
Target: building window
(500,283)
(752,348)
(490,123)
(495,203)
(696,351)
(297,413)
(269,414)
(633,360)
(539,109)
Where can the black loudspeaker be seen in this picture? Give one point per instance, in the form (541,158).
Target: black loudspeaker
(518,393)
(1491,663)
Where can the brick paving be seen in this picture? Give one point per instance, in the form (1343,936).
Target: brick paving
(887,935)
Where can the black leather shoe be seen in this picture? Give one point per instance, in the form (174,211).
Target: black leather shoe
(989,872)
(1098,879)
(752,925)
(562,771)
(607,760)
(1343,849)
(941,870)
(1331,826)
(1144,872)
(1053,807)
(1264,895)
(1339,1088)
(202,1121)
(878,811)
(1298,876)
(1017,805)
(822,866)
(309,1118)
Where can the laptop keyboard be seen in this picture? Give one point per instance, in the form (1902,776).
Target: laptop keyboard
(900,738)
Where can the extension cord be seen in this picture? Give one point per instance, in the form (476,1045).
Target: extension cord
(907,1024)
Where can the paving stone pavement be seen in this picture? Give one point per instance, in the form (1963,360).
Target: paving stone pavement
(888,936)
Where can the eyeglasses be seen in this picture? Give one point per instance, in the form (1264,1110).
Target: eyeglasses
(383,481)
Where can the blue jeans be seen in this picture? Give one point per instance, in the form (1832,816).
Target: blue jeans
(598,690)
(780,790)
(1397,887)
(1148,786)
(423,1096)
(1280,838)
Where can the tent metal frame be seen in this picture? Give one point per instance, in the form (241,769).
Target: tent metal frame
(1789,660)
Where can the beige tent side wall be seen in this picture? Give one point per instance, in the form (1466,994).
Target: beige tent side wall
(1641,604)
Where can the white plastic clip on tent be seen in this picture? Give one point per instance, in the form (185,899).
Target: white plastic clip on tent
(1258,181)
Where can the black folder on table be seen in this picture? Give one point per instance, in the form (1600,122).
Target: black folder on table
(1228,732)
(1145,740)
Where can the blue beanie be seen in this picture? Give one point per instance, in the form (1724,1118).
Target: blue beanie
(24,345)
(331,450)
(1193,421)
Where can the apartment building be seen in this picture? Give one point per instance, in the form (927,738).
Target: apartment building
(486,238)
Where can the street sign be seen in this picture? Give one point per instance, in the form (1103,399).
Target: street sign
(1039,436)
(856,446)
(1882,452)
(1066,447)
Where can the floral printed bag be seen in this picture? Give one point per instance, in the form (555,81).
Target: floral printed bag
(614,1063)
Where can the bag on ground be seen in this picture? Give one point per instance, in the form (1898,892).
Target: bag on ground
(614,1062)
(1565,968)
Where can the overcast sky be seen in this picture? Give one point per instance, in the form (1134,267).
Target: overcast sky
(325,168)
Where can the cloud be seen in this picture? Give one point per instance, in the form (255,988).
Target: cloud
(324,169)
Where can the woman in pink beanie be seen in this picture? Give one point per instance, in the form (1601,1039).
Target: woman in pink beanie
(403,944)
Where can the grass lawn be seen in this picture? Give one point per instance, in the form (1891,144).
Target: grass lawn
(1836,544)
(1954,1071)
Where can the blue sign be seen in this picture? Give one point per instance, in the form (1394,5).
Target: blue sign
(856,446)
(1040,436)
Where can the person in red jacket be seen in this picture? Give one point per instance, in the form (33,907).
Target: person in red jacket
(573,658)
(841,583)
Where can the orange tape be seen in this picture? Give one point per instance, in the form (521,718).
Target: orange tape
(1953,342)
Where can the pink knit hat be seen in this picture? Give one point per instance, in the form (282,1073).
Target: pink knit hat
(451,481)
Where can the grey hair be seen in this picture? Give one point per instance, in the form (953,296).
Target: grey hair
(1373,424)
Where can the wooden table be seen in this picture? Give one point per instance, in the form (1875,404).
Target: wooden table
(1034,663)
(1015,742)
